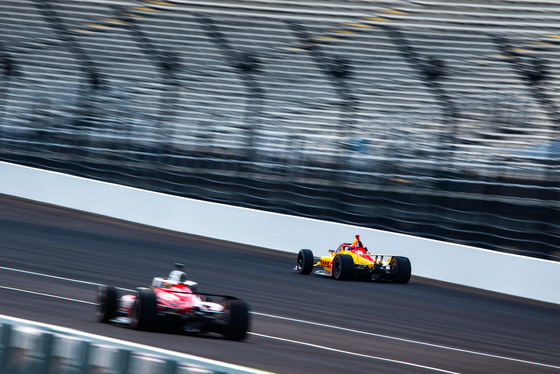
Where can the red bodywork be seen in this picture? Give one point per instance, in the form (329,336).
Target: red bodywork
(177,298)
(361,252)
(174,304)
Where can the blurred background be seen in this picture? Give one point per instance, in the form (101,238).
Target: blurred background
(437,118)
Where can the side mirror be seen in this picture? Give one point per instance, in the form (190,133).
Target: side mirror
(331,251)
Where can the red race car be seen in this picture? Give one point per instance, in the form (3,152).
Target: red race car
(174,302)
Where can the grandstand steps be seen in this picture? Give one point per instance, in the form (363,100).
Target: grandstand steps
(397,123)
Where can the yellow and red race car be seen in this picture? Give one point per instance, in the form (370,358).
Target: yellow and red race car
(348,262)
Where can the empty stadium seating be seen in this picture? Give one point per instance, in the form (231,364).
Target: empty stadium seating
(171,93)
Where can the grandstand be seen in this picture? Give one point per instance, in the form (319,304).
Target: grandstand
(432,118)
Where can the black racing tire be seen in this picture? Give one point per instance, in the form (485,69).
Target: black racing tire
(305,261)
(401,269)
(343,267)
(144,311)
(238,320)
(106,308)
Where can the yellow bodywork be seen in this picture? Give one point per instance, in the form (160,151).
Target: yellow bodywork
(362,259)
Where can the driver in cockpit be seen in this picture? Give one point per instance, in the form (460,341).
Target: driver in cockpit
(178,275)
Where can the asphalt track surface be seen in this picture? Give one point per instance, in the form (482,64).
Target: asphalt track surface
(300,324)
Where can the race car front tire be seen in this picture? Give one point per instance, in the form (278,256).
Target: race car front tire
(343,267)
(144,311)
(238,322)
(304,263)
(106,308)
(401,269)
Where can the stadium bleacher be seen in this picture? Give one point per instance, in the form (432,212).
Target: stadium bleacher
(142,93)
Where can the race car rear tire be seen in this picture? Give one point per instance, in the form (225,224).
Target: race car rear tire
(401,269)
(144,311)
(238,322)
(343,267)
(106,308)
(304,263)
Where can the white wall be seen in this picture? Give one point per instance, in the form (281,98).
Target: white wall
(26,339)
(489,270)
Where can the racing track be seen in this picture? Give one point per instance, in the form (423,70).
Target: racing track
(326,326)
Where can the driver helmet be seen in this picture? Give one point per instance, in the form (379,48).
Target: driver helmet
(183,277)
(358,243)
(178,275)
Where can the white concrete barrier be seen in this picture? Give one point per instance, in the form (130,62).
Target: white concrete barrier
(34,347)
(489,270)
